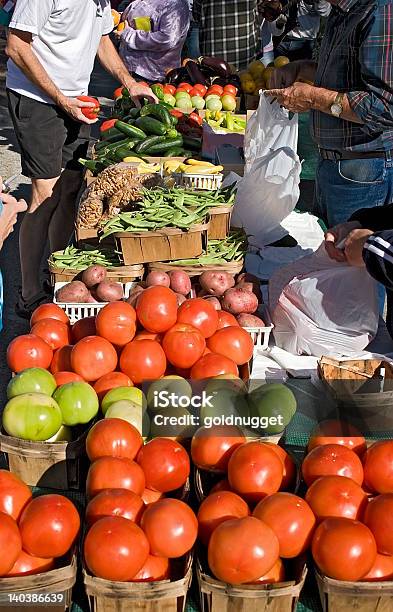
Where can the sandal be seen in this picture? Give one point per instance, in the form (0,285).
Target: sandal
(25,309)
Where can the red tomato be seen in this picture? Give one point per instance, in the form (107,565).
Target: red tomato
(171,528)
(14,494)
(114,473)
(26,565)
(217,508)
(169,89)
(241,550)
(115,502)
(212,447)
(201,89)
(195,92)
(378,467)
(149,496)
(176,113)
(336,496)
(381,570)
(291,519)
(157,309)
(111,381)
(226,319)
(212,365)
(165,464)
(222,485)
(144,335)
(49,526)
(62,378)
(90,112)
(115,549)
(28,351)
(275,575)
(230,89)
(379,518)
(195,118)
(332,460)
(200,314)
(116,323)
(10,543)
(93,357)
(215,89)
(143,360)
(83,328)
(49,311)
(233,342)
(254,471)
(118,93)
(154,569)
(337,432)
(289,475)
(108,124)
(61,361)
(160,85)
(344,549)
(183,345)
(113,438)
(185,87)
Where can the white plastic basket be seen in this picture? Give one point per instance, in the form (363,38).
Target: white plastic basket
(261,335)
(76,311)
(209,182)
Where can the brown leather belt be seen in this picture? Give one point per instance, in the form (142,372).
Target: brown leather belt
(338,155)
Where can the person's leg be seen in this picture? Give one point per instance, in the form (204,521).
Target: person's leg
(61,224)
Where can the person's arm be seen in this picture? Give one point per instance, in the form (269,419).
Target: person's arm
(9,213)
(20,51)
(167,37)
(376,218)
(110,60)
(377,255)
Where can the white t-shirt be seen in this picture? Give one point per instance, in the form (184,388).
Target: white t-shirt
(66,36)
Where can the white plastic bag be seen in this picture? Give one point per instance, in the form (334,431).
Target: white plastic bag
(322,307)
(269,190)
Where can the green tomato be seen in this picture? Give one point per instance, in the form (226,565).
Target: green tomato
(170,384)
(132,394)
(169,99)
(212,97)
(132,413)
(198,102)
(181,428)
(227,382)
(63,435)
(78,402)
(32,416)
(31,380)
(225,403)
(184,104)
(273,401)
(214,104)
(228,103)
(182,94)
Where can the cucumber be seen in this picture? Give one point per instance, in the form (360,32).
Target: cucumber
(102,144)
(130,130)
(134,113)
(109,133)
(126,151)
(193,143)
(165,145)
(151,126)
(114,145)
(159,112)
(150,141)
(175,152)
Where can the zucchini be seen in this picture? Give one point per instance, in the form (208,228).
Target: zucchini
(174,120)
(109,133)
(134,113)
(143,146)
(151,126)
(125,151)
(159,112)
(193,143)
(102,144)
(114,145)
(175,152)
(165,145)
(130,130)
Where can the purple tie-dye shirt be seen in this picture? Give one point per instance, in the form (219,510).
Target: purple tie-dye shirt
(151,54)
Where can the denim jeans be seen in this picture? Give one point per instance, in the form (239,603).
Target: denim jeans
(343,187)
(295,49)
(191,45)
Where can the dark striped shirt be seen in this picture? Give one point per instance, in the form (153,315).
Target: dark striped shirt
(356,58)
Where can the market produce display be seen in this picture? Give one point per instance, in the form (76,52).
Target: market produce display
(232,248)
(225,121)
(80,259)
(206,71)
(257,76)
(186,96)
(93,287)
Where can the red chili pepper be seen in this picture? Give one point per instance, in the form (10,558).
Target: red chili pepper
(195,118)
(118,93)
(107,125)
(90,112)
(176,113)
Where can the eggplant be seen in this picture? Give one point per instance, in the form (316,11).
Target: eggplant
(219,66)
(234,79)
(176,76)
(220,81)
(195,75)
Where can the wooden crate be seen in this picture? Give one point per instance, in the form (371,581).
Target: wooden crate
(121,274)
(234,267)
(54,465)
(219,222)
(217,596)
(34,588)
(167,244)
(343,596)
(251,102)
(162,596)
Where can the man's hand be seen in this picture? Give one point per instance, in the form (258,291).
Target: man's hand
(335,239)
(269,9)
(354,245)
(298,98)
(295,71)
(73,106)
(138,91)
(9,215)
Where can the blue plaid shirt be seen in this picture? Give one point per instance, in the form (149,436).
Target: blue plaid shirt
(356,58)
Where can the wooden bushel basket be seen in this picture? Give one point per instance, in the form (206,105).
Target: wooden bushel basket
(53,465)
(343,596)
(121,274)
(358,387)
(234,267)
(219,222)
(56,581)
(162,596)
(217,596)
(167,244)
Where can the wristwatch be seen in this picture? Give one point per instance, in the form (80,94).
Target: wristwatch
(337,107)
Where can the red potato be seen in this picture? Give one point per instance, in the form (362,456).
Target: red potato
(249,320)
(156,277)
(109,291)
(216,283)
(180,282)
(215,302)
(93,275)
(238,300)
(91,299)
(134,295)
(74,292)
(180,298)
(252,288)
